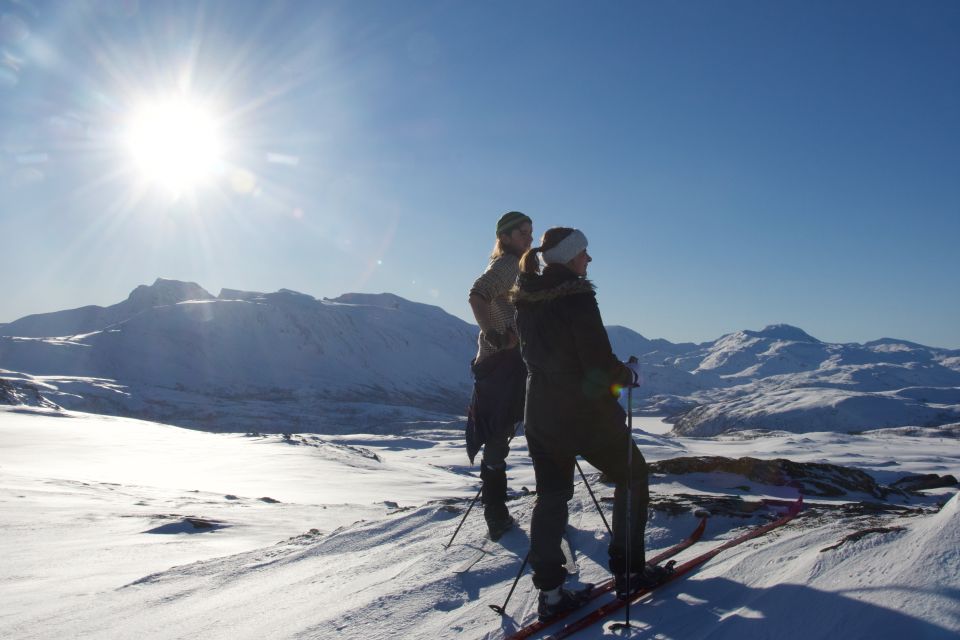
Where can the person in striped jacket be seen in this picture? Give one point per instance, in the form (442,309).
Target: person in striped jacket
(498,370)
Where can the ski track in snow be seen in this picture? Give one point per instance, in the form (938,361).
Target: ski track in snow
(324,541)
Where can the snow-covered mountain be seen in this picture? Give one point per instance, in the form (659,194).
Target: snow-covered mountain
(781,378)
(285,361)
(93,318)
(246,360)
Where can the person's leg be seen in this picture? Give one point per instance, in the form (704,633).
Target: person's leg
(611,459)
(493,475)
(554,489)
(554,476)
(503,396)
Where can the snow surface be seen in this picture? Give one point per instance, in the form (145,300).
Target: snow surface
(114,527)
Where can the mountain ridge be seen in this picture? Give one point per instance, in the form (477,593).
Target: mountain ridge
(172,351)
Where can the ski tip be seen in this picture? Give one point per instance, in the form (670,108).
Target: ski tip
(793,506)
(797,506)
(698,532)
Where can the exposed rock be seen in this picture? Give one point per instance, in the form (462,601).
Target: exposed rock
(16,392)
(926,481)
(185,524)
(731,506)
(812,479)
(314,441)
(857,535)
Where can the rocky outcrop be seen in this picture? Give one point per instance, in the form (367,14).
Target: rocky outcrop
(810,478)
(925,481)
(15,392)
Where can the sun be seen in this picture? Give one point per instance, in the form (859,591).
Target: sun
(175,144)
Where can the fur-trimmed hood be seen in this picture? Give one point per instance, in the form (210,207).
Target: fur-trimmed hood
(556,282)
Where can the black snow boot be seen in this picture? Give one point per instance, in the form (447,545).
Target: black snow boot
(560,600)
(651,576)
(494,497)
(499,526)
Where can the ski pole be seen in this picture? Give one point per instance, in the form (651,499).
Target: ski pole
(502,610)
(629,512)
(599,508)
(475,498)
(464,518)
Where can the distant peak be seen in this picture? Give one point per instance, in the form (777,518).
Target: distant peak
(164,292)
(894,344)
(782,332)
(386,300)
(291,292)
(289,297)
(617,328)
(237,294)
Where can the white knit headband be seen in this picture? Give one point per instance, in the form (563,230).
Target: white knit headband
(567,249)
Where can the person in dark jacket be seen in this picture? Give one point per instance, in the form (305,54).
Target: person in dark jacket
(573,382)
(498,372)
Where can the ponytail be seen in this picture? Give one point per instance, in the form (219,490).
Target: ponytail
(529,262)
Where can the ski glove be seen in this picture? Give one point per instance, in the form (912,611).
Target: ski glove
(634,367)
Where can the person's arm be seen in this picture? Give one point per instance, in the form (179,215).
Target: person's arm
(481,312)
(592,343)
(495,281)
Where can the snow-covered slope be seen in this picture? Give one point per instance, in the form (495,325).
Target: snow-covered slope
(821,409)
(122,526)
(190,361)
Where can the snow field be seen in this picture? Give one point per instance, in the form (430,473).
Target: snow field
(349,542)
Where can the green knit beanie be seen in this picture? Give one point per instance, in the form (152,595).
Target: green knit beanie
(511,220)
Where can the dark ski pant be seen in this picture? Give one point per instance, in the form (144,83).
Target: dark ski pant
(496,407)
(554,473)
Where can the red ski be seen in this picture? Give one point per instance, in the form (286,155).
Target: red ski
(607,586)
(678,572)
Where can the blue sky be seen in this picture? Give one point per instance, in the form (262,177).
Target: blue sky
(734,164)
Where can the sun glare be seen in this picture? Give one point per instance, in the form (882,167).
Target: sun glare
(175,144)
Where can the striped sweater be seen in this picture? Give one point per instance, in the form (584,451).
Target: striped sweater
(494,286)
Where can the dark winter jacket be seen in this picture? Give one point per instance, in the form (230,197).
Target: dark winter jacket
(571,403)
